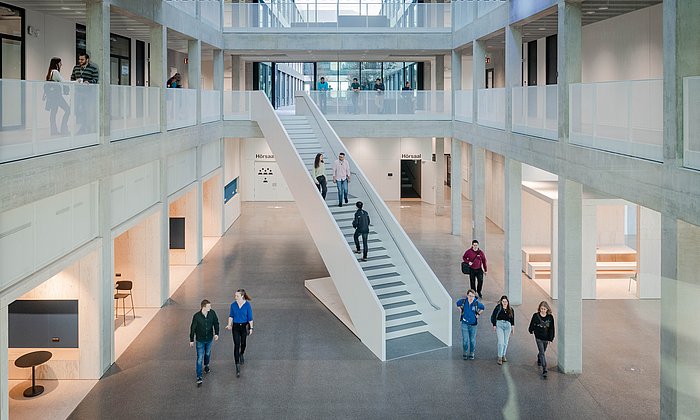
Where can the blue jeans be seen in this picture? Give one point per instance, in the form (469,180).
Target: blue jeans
(503,329)
(203,354)
(342,190)
(468,338)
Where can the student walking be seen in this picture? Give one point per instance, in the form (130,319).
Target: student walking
(53,95)
(240,321)
(205,330)
(470,308)
(542,325)
(319,175)
(341,177)
(503,320)
(476,259)
(361,224)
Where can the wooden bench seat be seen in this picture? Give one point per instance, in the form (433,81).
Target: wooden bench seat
(534,267)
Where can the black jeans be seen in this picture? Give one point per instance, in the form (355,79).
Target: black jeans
(474,275)
(240,333)
(541,348)
(322,185)
(356,236)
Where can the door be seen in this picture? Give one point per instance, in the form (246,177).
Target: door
(489,78)
(140,63)
(428,171)
(411,178)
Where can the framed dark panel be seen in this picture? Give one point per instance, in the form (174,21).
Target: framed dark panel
(551,60)
(230,190)
(177,233)
(140,63)
(532,63)
(43,324)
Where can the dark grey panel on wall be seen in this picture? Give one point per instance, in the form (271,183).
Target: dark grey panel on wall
(177,233)
(43,324)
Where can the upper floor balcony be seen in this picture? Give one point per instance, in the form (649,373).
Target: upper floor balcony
(430,105)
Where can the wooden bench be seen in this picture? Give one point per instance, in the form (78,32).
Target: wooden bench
(627,267)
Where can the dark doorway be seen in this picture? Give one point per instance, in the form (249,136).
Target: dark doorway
(140,63)
(410,178)
(551,59)
(489,78)
(532,63)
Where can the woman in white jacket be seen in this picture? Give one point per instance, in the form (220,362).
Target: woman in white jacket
(53,95)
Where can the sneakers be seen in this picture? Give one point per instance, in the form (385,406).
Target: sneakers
(471,356)
(465,357)
(206,369)
(340,205)
(346,200)
(544,374)
(242,360)
(199,381)
(504,358)
(363,259)
(357,251)
(499,361)
(238,371)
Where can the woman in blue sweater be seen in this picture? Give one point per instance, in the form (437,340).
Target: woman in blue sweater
(240,321)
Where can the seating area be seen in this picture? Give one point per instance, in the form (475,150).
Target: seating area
(610,260)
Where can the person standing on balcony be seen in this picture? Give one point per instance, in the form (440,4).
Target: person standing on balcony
(341,177)
(355,88)
(470,309)
(407,98)
(53,95)
(379,99)
(319,175)
(361,224)
(323,89)
(175,81)
(205,330)
(85,107)
(240,322)
(476,259)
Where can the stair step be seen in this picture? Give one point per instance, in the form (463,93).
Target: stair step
(402,315)
(350,235)
(386,285)
(383,276)
(377,267)
(376,258)
(369,241)
(393,295)
(402,327)
(399,304)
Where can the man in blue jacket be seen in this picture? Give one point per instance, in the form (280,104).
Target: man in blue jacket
(470,308)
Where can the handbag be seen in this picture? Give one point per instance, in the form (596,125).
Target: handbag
(465,268)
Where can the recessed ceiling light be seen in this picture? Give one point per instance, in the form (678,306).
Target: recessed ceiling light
(65,8)
(590,12)
(541,29)
(603,8)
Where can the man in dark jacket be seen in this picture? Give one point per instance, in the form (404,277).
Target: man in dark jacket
(361,225)
(205,327)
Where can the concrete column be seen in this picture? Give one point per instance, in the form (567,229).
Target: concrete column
(456,187)
(440,176)
(514,77)
(669,374)
(478,74)
(164,232)
(439,72)
(98,47)
(569,323)
(649,253)
(200,203)
(554,257)
(219,76)
(589,242)
(4,369)
(478,184)
(194,69)
(237,73)
(158,67)
(105,298)
(513,230)
(456,78)
(569,58)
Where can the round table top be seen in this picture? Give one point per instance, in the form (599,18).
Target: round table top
(34,358)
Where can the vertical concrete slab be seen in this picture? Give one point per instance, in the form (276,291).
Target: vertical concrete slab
(554,257)
(588,250)
(440,176)
(194,72)
(98,47)
(478,184)
(478,74)
(456,76)
(669,374)
(569,322)
(199,205)
(105,296)
(649,253)
(456,187)
(4,368)
(513,231)
(237,73)
(158,67)
(219,77)
(569,58)
(514,60)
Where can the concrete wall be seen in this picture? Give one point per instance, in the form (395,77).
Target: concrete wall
(186,206)
(232,170)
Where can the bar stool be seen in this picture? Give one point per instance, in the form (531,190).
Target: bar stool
(123,288)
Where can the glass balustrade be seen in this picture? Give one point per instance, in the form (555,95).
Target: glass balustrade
(211,106)
(134,111)
(38,118)
(237,105)
(535,111)
(333,17)
(181,108)
(210,12)
(464,105)
(463,12)
(622,117)
(492,108)
(385,105)
(691,122)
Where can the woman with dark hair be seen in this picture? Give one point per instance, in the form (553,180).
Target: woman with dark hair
(240,321)
(542,325)
(503,320)
(53,95)
(319,175)
(175,81)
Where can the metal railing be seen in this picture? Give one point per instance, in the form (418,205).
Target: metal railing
(622,117)
(134,111)
(535,111)
(333,17)
(385,105)
(38,118)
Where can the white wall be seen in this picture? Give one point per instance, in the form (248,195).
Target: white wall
(536,221)
(257,150)
(181,170)
(495,188)
(186,206)
(610,221)
(232,170)
(134,191)
(212,205)
(56,39)
(627,47)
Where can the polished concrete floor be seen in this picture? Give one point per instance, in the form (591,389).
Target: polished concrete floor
(303,363)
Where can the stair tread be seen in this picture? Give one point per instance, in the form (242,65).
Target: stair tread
(387,285)
(383,276)
(401,315)
(377,267)
(394,294)
(402,327)
(399,304)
